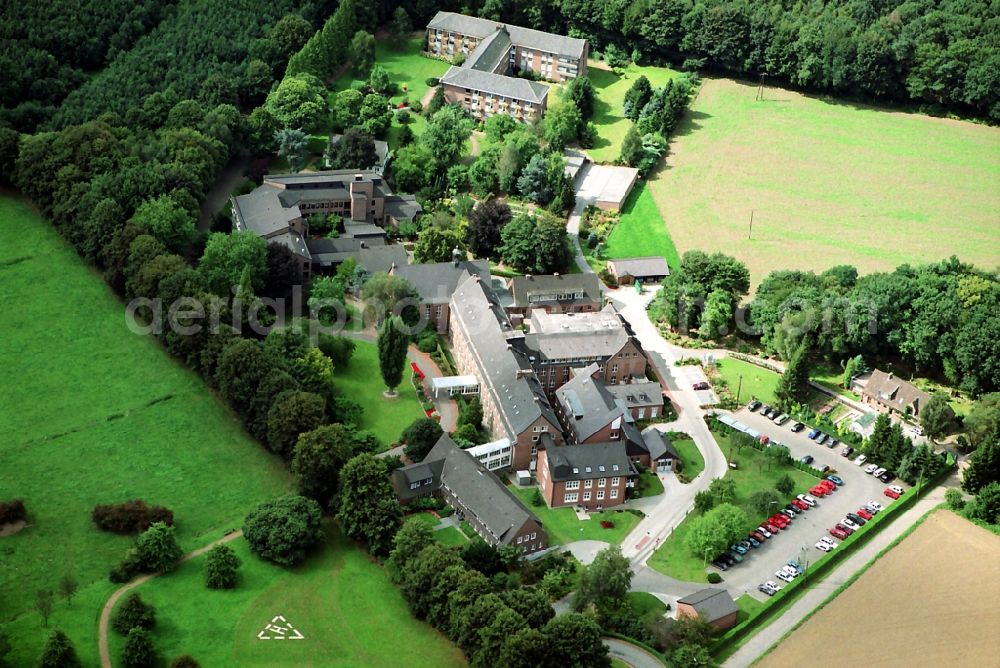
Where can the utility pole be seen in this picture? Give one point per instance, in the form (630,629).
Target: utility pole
(751,225)
(739,386)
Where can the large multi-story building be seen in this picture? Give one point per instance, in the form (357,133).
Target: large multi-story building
(279,210)
(593,477)
(436,282)
(555,293)
(485,84)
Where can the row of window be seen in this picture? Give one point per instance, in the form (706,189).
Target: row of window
(525,539)
(561,296)
(587,484)
(572,497)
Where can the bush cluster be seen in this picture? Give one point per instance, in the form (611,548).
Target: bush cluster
(12,511)
(132,516)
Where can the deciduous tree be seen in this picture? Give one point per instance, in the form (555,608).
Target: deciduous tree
(362,52)
(319,456)
(156,548)
(222,568)
(368,510)
(133,613)
(225,257)
(283,530)
(139,651)
(420,437)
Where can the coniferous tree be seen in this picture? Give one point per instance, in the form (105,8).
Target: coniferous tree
(392,345)
(793,386)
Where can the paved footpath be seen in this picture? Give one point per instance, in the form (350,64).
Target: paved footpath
(633,655)
(809,601)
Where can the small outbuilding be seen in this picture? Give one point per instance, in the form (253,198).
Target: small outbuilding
(715,605)
(626,271)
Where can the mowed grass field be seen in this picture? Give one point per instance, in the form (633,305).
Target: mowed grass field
(362,382)
(757,382)
(640,230)
(609,115)
(933,600)
(828,183)
(342,602)
(563,526)
(92,413)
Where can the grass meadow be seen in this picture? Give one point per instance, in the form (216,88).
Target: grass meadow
(692,462)
(640,230)
(341,601)
(752,381)
(93,413)
(563,526)
(673,557)
(828,183)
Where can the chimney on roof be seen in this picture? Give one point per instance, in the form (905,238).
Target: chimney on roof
(456,256)
(359,177)
(889,377)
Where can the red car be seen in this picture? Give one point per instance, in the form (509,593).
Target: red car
(758,536)
(800,504)
(837,533)
(819,490)
(779,521)
(701,386)
(846,529)
(891,493)
(864,514)
(770,526)
(829,486)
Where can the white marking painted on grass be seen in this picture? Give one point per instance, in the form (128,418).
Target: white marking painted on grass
(280,629)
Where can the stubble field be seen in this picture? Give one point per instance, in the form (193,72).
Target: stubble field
(933,600)
(828,183)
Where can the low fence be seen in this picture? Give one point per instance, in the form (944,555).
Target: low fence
(780,601)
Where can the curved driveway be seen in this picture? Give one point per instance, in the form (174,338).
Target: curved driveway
(633,655)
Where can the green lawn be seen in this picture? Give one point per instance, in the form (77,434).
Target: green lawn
(673,557)
(609,116)
(343,603)
(648,607)
(827,183)
(563,526)
(692,463)
(362,382)
(748,605)
(450,536)
(830,377)
(757,382)
(649,484)
(641,231)
(93,413)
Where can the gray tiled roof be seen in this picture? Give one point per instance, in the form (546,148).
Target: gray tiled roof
(534,39)
(294,242)
(490,52)
(658,445)
(478,489)
(576,335)
(637,394)
(378,259)
(498,84)
(501,369)
(262,211)
(895,392)
(711,603)
(402,207)
(436,282)
(654,265)
(523,287)
(335,251)
(588,406)
(580,462)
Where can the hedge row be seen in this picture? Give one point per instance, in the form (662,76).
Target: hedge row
(132,516)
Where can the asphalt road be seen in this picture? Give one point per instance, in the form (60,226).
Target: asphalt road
(798,541)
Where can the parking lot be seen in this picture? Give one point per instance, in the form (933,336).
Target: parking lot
(692,375)
(798,540)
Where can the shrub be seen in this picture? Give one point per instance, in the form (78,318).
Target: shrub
(403,116)
(221,568)
(284,529)
(156,549)
(133,613)
(428,343)
(138,651)
(536,499)
(714,578)
(953,497)
(416,106)
(184,661)
(12,511)
(432,81)
(132,516)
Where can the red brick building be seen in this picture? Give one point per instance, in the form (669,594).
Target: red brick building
(592,476)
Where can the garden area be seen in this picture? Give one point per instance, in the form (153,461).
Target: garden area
(692,463)
(752,381)
(754,473)
(362,383)
(563,526)
(338,599)
(115,406)
(637,231)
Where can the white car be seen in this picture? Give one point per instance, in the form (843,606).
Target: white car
(764,532)
(823,546)
(829,541)
(781,419)
(805,498)
(773,585)
(860,460)
(896,488)
(849,524)
(783,576)
(879,471)
(791,571)
(871,468)
(875,506)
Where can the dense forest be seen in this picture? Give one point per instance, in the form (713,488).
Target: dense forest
(944,54)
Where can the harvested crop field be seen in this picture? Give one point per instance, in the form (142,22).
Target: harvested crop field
(933,600)
(828,183)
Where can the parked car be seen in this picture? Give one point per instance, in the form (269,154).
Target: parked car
(772,527)
(829,541)
(874,506)
(821,439)
(773,585)
(800,504)
(736,557)
(879,471)
(794,564)
(819,490)
(805,498)
(847,451)
(782,575)
(836,480)
(787,513)
(860,460)
(728,559)
(891,493)
(838,533)
(888,476)
(897,489)
(797,427)
(850,524)
(701,385)
(828,484)
(833,443)
(758,536)
(808,459)
(773,412)
(764,439)
(781,419)
(753,541)
(823,546)
(846,529)
(718,563)
(745,544)
(739,549)
(764,531)
(857,519)
(766,590)
(813,433)
(864,514)
(753,405)
(794,572)
(765,410)
(792,509)
(870,469)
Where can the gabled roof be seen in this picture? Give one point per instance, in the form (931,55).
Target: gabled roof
(899,394)
(490,52)
(548,287)
(654,265)
(479,490)
(535,39)
(498,84)
(588,406)
(658,445)
(436,282)
(711,603)
(582,462)
(502,370)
